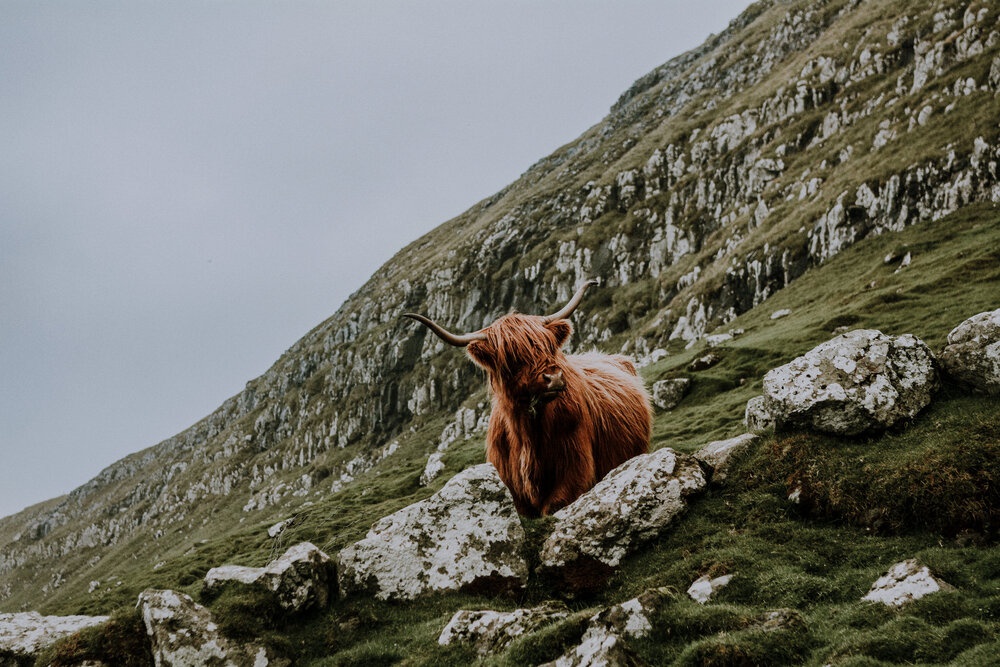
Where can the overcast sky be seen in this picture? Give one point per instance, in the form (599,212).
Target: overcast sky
(187,188)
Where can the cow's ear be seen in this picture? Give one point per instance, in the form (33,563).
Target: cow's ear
(561,329)
(481,354)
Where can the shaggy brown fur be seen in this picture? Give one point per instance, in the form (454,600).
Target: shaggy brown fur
(560,422)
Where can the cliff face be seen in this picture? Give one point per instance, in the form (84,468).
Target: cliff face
(715,181)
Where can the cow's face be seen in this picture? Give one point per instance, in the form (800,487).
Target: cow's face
(522,355)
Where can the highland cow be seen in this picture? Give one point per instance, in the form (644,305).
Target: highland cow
(560,422)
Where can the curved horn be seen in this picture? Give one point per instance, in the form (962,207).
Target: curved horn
(444,334)
(573,303)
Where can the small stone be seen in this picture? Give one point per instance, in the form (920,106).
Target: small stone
(756,418)
(905,582)
(720,454)
(702,590)
(598,646)
(704,362)
(667,394)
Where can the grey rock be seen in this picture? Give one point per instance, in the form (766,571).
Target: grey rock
(702,590)
(972,355)
(704,362)
(24,634)
(720,454)
(858,382)
(600,646)
(183,632)
(903,583)
(632,618)
(467,535)
(605,640)
(756,417)
(300,578)
(634,503)
(667,394)
(492,631)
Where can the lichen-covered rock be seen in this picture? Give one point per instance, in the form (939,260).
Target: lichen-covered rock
(491,631)
(604,641)
(631,619)
(667,394)
(756,417)
(183,632)
(704,587)
(300,578)
(858,382)
(704,362)
(24,634)
(600,646)
(635,502)
(905,582)
(972,355)
(720,454)
(467,535)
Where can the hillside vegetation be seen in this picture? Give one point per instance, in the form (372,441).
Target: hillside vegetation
(791,162)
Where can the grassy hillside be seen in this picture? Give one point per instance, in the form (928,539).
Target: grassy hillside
(927,490)
(775,167)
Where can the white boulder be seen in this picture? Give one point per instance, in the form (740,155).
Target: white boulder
(467,535)
(23,635)
(634,503)
(972,355)
(183,632)
(300,578)
(858,382)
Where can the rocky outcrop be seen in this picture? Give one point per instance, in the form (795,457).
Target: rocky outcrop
(634,503)
(184,633)
(468,535)
(300,579)
(492,631)
(858,382)
(23,635)
(903,583)
(972,355)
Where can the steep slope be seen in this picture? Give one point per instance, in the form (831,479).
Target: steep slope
(715,181)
